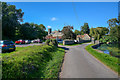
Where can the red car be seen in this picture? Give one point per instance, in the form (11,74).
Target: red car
(20,42)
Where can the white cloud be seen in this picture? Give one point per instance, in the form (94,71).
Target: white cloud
(53,19)
(49,26)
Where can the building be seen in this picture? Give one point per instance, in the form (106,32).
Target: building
(54,34)
(84,37)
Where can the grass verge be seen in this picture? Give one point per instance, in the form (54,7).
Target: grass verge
(108,60)
(41,61)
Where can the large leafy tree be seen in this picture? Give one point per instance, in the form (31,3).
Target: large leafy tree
(85,28)
(12,27)
(114,25)
(0,20)
(11,18)
(98,32)
(32,31)
(77,32)
(68,33)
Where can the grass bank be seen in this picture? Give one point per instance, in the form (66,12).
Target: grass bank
(108,60)
(41,61)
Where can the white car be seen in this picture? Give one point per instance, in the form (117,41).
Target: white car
(75,41)
(27,41)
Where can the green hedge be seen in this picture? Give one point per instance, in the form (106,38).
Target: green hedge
(51,42)
(107,59)
(32,62)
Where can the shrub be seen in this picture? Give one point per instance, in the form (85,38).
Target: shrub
(47,41)
(51,42)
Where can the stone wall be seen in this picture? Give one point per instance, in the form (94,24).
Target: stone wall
(95,42)
(83,41)
(66,42)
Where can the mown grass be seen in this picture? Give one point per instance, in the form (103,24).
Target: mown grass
(41,61)
(108,60)
(17,49)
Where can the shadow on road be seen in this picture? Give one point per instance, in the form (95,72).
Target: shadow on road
(65,48)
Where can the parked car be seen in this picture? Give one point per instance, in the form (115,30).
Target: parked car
(6,45)
(20,41)
(60,41)
(27,41)
(75,41)
(36,41)
(32,41)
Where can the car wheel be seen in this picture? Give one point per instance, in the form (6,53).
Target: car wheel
(14,49)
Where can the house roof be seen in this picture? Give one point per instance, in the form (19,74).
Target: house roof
(82,36)
(52,37)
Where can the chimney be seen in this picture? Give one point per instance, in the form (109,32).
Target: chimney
(49,31)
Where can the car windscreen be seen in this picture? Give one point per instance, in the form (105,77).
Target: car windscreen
(1,43)
(8,42)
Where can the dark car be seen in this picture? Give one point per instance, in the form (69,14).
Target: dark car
(60,41)
(6,45)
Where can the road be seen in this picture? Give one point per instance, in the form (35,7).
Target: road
(78,63)
(25,45)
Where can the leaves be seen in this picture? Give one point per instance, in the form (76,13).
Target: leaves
(68,33)
(85,28)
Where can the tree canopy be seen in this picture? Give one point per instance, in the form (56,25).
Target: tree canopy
(12,29)
(98,32)
(68,33)
(114,25)
(77,32)
(85,28)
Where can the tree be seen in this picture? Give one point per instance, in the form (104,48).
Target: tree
(68,33)
(114,25)
(85,28)
(77,32)
(13,30)
(98,32)
(0,20)
(11,18)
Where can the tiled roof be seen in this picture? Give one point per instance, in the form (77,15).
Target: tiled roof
(51,37)
(82,36)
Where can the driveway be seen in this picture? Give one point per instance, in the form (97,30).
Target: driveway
(78,63)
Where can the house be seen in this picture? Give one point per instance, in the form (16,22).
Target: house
(84,37)
(54,34)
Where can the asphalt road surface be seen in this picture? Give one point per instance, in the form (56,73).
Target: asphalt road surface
(25,45)
(78,63)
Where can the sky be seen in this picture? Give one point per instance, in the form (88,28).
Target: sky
(56,15)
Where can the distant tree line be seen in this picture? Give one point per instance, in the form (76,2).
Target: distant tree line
(12,27)
(114,34)
(104,34)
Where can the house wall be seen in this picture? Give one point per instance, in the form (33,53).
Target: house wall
(86,37)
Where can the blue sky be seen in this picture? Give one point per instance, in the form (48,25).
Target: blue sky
(58,14)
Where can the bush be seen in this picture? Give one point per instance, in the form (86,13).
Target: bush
(47,41)
(51,42)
